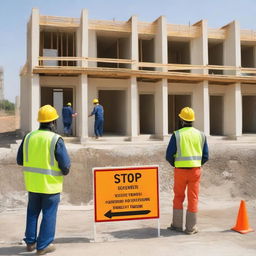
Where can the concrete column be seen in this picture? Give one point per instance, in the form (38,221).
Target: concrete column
(35,99)
(232,47)
(34,38)
(82,108)
(161,44)
(161,109)
(133,109)
(84,36)
(92,47)
(233,111)
(199,48)
(200,104)
(134,41)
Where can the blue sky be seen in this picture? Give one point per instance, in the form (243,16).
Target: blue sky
(14,15)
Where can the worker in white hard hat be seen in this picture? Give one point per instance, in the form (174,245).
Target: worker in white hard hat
(45,160)
(98,112)
(187,152)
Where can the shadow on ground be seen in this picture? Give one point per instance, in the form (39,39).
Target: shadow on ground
(21,249)
(143,233)
(8,138)
(73,240)
(15,250)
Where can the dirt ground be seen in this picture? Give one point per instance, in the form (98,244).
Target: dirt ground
(74,233)
(228,177)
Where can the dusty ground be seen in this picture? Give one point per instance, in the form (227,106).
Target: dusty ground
(227,178)
(74,235)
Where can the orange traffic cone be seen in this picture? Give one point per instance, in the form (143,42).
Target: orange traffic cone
(242,224)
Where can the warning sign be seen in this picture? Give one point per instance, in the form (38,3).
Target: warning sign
(126,193)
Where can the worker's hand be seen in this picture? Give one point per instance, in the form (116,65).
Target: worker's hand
(74,115)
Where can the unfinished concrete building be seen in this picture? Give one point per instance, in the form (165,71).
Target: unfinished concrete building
(1,83)
(142,72)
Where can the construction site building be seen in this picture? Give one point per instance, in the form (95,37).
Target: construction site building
(143,74)
(1,83)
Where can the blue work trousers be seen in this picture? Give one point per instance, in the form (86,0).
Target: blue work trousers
(98,127)
(67,128)
(48,204)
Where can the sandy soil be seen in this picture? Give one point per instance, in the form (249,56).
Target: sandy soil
(8,123)
(74,234)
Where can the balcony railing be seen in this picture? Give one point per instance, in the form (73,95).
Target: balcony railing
(81,63)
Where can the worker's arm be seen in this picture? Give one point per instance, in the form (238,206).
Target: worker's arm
(205,155)
(19,158)
(95,109)
(62,157)
(171,150)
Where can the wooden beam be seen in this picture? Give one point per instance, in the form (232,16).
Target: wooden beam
(114,72)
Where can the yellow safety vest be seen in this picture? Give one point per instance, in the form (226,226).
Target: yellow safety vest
(190,143)
(40,168)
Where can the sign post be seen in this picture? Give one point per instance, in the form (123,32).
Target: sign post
(126,193)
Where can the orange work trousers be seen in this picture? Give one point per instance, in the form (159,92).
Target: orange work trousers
(190,179)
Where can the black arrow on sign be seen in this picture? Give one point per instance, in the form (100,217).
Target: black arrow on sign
(111,214)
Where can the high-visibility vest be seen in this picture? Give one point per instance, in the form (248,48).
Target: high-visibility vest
(190,143)
(40,168)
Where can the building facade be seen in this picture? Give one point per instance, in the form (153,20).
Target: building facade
(142,72)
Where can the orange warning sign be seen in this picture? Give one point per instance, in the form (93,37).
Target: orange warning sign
(126,193)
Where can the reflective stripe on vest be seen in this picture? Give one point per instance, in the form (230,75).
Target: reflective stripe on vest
(185,159)
(42,171)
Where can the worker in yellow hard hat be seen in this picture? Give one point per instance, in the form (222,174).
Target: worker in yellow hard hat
(67,117)
(187,152)
(98,112)
(45,160)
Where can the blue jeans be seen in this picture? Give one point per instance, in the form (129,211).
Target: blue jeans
(67,128)
(48,204)
(98,127)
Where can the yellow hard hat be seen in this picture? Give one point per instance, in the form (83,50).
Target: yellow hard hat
(46,114)
(187,114)
(95,101)
(69,104)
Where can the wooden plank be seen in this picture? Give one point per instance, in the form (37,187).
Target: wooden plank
(113,72)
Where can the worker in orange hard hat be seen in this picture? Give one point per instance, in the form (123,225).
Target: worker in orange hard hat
(187,152)
(45,160)
(98,112)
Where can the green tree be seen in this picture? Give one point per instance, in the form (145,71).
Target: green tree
(6,105)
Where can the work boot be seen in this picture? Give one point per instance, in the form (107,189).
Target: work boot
(177,220)
(31,247)
(191,219)
(48,249)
